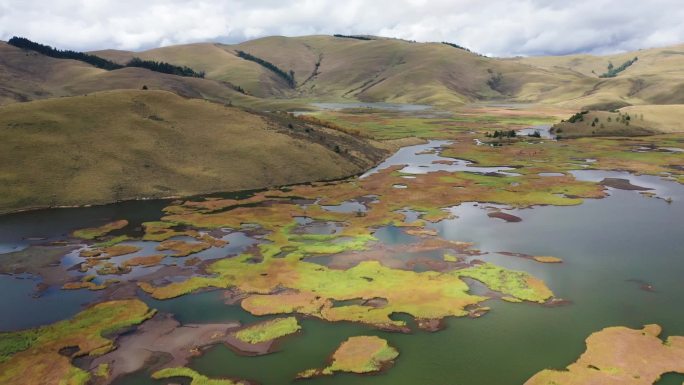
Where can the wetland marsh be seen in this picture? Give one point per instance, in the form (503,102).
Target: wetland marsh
(448,270)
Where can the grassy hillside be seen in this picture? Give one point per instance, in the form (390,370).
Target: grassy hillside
(219,64)
(130,144)
(627,121)
(657,77)
(26,75)
(328,68)
(663,118)
(400,71)
(392,70)
(603,123)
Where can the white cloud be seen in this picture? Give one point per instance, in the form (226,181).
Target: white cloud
(496,27)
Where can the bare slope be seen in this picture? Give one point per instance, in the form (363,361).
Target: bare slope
(381,69)
(130,144)
(657,77)
(218,63)
(26,75)
(328,68)
(401,71)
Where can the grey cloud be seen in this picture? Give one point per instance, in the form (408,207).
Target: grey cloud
(495,27)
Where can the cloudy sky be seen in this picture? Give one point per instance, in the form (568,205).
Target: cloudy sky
(493,27)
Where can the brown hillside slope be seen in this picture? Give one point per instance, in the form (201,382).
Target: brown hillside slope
(218,64)
(26,75)
(656,78)
(331,68)
(400,71)
(130,144)
(328,68)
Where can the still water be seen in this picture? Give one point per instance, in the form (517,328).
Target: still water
(609,247)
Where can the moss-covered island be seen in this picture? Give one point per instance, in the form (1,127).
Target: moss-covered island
(36,356)
(620,355)
(363,354)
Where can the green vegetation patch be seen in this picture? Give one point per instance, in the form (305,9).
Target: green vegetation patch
(24,354)
(196,378)
(269,330)
(95,232)
(516,284)
(385,125)
(620,355)
(362,354)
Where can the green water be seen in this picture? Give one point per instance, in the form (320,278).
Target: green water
(608,246)
(605,245)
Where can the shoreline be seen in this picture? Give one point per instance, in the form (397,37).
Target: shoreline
(390,152)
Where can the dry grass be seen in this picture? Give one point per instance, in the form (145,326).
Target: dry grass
(664,118)
(619,355)
(130,144)
(656,78)
(27,76)
(377,70)
(337,69)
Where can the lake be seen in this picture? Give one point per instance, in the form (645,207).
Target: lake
(612,249)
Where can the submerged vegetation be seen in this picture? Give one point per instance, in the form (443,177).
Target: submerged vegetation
(24,355)
(376,250)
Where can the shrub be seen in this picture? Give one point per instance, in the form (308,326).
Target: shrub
(613,71)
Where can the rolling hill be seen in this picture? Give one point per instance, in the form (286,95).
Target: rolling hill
(657,77)
(391,70)
(27,75)
(94,136)
(116,145)
(328,68)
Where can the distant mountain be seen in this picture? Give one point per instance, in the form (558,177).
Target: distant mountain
(657,77)
(373,69)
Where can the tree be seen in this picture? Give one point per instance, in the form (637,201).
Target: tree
(99,62)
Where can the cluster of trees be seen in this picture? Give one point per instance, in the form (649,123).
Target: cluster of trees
(535,134)
(456,46)
(578,117)
(502,134)
(624,118)
(287,76)
(357,37)
(103,63)
(613,71)
(463,48)
(46,50)
(163,67)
